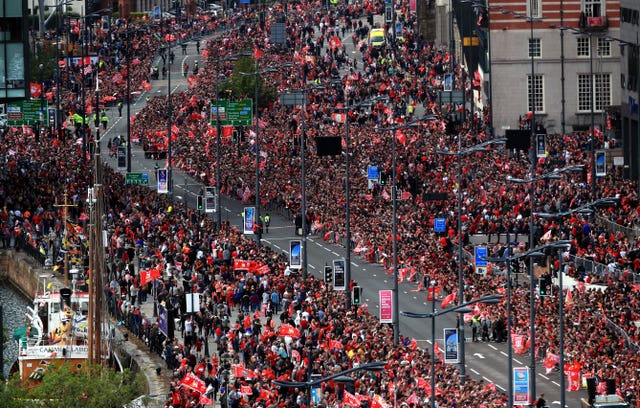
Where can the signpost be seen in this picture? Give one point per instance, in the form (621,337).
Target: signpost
(232,113)
(481,259)
(27,112)
(137,179)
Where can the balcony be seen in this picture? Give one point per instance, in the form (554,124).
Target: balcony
(593,24)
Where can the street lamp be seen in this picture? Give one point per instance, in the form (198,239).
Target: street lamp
(584,208)
(256,73)
(294,98)
(555,174)
(309,384)
(507,258)
(463,152)
(461,309)
(347,186)
(394,220)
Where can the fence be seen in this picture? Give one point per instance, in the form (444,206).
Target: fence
(627,341)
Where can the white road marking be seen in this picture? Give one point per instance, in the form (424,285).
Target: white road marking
(543,376)
(474,371)
(493,347)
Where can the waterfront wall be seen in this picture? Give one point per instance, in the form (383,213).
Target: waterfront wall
(20,271)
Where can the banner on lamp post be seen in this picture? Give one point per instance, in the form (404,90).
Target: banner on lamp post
(295,254)
(248,220)
(520,386)
(386,305)
(451,351)
(601,163)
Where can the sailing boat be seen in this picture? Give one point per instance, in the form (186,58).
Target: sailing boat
(56,331)
(65,325)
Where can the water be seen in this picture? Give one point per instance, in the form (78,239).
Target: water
(14,306)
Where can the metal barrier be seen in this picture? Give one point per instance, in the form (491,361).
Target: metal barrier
(602,270)
(630,233)
(23,245)
(621,332)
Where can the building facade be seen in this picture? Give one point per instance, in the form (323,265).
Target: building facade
(560,53)
(630,84)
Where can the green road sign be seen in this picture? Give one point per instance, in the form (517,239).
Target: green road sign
(232,113)
(137,178)
(26,112)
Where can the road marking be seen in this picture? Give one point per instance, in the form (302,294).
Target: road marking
(276,246)
(474,371)
(504,354)
(479,355)
(374,275)
(311,266)
(543,376)
(553,382)
(519,362)
(493,347)
(355,264)
(486,379)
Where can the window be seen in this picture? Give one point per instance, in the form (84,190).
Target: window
(604,47)
(534,8)
(583,47)
(593,8)
(538,93)
(601,96)
(603,91)
(534,48)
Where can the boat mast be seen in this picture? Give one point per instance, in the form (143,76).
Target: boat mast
(96,261)
(65,215)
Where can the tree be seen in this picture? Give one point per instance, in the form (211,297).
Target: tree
(239,86)
(95,387)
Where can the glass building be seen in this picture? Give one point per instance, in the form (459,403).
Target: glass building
(14,51)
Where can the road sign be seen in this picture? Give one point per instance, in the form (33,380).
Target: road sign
(451,97)
(232,113)
(210,199)
(440,225)
(26,112)
(163,181)
(137,179)
(121,156)
(293,98)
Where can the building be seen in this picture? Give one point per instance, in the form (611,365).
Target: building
(629,84)
(562,50)
(14,50)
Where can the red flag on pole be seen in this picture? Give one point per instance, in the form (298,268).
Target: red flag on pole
(257,52)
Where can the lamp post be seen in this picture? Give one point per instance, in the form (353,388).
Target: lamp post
(586,208)
(129,99)
(169,115)
(309,384)
(555,174)
(347,186)
(507,258)
(394,220)
(256,74)
(461,308)
(42,108)
(463,152)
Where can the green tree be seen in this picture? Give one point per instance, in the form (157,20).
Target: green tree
(239,86)
(96,387)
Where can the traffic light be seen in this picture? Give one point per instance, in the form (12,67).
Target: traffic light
(545,286)
(200,203)
(328,275)
(357,295)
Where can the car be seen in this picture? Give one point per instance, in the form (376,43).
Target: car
(215,10)
(3,120)
(377,37)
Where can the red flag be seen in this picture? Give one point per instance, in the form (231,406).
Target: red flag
(448,299)
(257,52)
(573,374)
(36,90)
(414,344)
(401,137)
(265,394)
(413,399)
(246,390)
(288,330)
(335,344)
(194,383)
(350,399)
(550,362)
(204,400)
(335,42)
(148,275)
(518,343)
(241,372)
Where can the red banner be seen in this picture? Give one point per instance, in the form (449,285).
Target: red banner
(194,383)
(518,343)
(241,372)
(148,275)
(288,330)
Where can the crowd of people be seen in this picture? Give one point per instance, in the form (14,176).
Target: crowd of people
(285,324)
